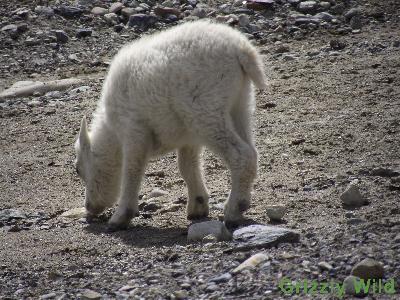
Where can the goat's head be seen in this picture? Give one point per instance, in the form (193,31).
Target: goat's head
(90,167)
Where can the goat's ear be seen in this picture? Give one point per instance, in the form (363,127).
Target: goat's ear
(84,140)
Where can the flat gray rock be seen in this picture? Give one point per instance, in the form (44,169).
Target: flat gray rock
(262,236)
(28,88)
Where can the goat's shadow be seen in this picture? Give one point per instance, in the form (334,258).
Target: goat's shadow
(142,236)
(145,235)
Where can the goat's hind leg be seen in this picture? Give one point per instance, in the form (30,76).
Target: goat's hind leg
(189,162)
(241,158)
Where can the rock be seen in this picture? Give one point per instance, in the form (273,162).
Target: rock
(199,12)
(211,288)
(171,208)
(267,105)
(155,193)
(7,215)
(251,262)
(192,2)
(282,49)
(74,213)
(68,11)
(149,206)
(262,236)
(90,295)
(32,41)
(356,11)
(397,239)
(337,44)
(260,4)
(74,58)
(181,294)
(44,10)
(276,212)
(119,27)
(307,7)
(384,172)
(368,269)
(293,2)
(166,11)
(300,20)
(61,36)
(352,197)
(209,239)
(10,27)
(350,284)
(324,5)
(221,278)
(28,88)
(22,13)
(115,7)
(12,30)
(99,11)
(325,266)
(198,231)
(128,11)
(142,21)
(83,32)
(34,103)
(111,18)
(356,23)
(243,20)
(225,9)
(327,17)
(48,296)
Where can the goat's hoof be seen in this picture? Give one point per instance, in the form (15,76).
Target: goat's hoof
(113,227)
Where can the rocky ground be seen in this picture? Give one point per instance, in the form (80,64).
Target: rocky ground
(327,130)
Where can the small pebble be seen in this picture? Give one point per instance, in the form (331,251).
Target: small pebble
(276,212)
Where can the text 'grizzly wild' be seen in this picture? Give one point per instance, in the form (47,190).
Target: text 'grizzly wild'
(183,89)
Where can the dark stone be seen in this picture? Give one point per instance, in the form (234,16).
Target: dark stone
(68,11)
(61,36)
(384,172)
(142,21)
(260,4)
(118,27)
(149,206)
(221,278)
(83,32)
(352,13)
(337,45)
(166,11)
(268,105)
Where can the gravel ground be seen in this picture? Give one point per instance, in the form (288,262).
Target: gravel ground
(329,118)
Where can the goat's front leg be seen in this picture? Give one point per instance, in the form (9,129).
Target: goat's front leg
(190,167)
(134,162)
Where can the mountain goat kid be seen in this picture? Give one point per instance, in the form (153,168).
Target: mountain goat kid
(183,88)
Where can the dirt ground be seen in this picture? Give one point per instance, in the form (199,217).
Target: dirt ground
(329,117)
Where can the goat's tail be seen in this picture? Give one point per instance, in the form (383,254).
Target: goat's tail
(252,65)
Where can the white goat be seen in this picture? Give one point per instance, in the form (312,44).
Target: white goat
(183,88)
